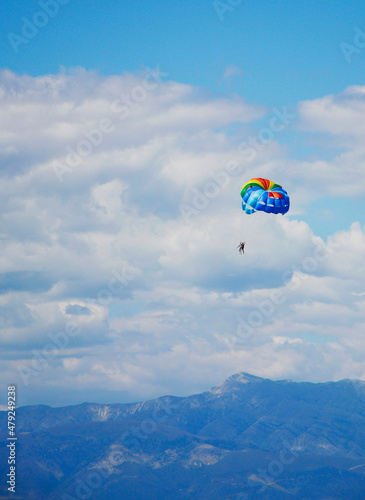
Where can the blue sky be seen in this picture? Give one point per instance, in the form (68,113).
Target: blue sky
(127,132)
(286,51)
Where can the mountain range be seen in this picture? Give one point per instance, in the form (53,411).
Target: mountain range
(244,439)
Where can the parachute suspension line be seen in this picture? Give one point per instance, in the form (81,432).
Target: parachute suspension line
(242,227)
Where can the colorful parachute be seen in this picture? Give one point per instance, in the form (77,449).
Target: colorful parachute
(262,194)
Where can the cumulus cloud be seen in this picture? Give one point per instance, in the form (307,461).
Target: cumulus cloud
(337,123)
(341,115)
(121,216)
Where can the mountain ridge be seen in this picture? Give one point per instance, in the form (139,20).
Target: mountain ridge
(314,433)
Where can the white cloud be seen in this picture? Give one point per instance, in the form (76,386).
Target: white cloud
(158,299)
(335,122)
(341,115)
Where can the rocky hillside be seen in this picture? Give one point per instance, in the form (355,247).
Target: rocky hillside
(248,437)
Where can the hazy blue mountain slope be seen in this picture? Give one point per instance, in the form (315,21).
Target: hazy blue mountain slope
(247,437)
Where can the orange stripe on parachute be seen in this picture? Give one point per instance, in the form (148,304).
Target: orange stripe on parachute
(273,194)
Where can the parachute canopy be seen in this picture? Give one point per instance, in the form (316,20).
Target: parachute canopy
(262,194)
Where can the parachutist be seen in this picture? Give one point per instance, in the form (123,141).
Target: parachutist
(241,247)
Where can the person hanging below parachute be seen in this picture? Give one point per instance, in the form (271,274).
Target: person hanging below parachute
(263,195)
(241,247)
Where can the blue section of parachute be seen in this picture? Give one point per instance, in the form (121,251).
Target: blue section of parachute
(257,199)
